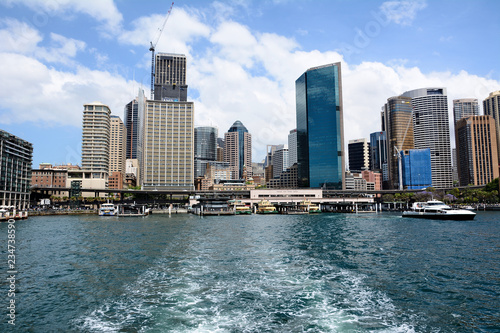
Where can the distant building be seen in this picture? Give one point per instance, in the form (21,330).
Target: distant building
(116,180)
(465,107)
(477,153)
(205,148)
(132,120)
(292,147)
(320,129)
(279,161)
(15,171)
(48,178)
(378,154)
(168,151)
(287,179)
(431,129)
(96,137)
(374,178)
(117,160)
(132,167)
(359,155)
(170,78)
(416,168)
(491,107)
(398,118)
(238,150)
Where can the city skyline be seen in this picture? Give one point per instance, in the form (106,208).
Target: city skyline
(76,54)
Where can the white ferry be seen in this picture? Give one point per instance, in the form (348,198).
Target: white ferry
(108,209)
(438,210)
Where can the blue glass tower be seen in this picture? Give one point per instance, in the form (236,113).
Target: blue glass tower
(320,130)
(378,150)
(416,166)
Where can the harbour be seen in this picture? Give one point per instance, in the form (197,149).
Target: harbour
(281,273)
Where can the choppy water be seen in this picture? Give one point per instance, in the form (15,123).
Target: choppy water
(322,273)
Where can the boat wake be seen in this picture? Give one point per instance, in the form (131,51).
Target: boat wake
(279,297)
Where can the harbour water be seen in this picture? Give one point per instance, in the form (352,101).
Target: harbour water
(296,273)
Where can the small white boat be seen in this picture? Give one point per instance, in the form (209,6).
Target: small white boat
(108,209)
(438,210)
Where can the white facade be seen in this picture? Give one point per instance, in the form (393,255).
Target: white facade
(280,161)
(96,137)
(431,129)
(292,148)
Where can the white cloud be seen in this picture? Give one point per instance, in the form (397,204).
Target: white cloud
(402,11)
(234,72)
(21,38)
(18,36)
(180,31)
(33,92)
(62,50)
(103,11)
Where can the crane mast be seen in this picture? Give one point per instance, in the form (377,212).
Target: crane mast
(152,49)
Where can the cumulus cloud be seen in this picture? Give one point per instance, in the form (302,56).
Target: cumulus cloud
(103,11)
(402,11)
(234,73)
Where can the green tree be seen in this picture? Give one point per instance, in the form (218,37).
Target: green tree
(492,186)
(388,198)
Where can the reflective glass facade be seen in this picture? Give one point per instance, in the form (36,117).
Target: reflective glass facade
(416,165)
(320,136)
(378,150)
(205,148)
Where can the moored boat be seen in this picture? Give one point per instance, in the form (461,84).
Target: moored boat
(438,210)
(108,209)
(240,208)
(10,212)
(265,207)
(309,207)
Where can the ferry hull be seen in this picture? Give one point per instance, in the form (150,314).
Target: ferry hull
(438,216)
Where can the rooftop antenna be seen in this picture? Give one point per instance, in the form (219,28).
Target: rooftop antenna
(153,46)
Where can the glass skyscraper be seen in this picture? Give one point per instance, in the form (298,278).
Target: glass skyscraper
(205,148)
(320,130)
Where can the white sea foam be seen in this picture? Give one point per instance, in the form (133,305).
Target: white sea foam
(208,295)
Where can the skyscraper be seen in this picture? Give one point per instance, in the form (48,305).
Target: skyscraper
(117,146)
(280,161)
(477,150)
(168,151)
(431,129)
(15,171)
(359,155)
(205,148)
(465,107)
(132,122)
(378,152)
(96,138)
(491,107)
(170,78)
(238,150)
(320,130)
(292,147)
(399,132)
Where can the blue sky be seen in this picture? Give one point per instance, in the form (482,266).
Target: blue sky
(243,60)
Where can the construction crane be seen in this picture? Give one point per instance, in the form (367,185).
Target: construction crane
(152,49)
